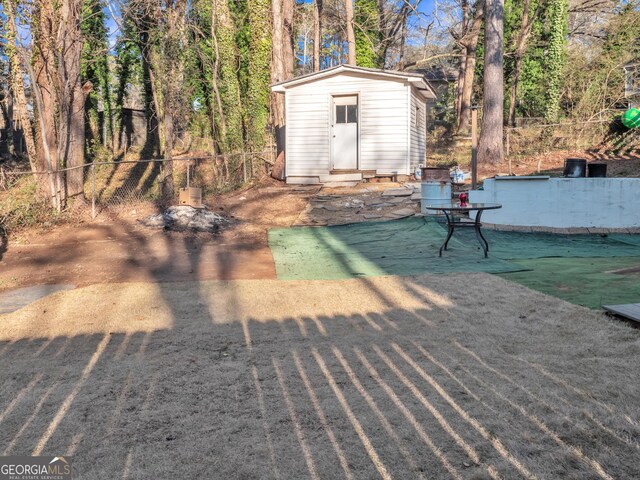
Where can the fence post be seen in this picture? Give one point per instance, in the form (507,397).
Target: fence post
(244,165)
(93,191)
(507,146)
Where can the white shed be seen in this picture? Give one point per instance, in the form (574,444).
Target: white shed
(347,122)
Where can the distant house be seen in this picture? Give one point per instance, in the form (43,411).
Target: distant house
(347,122)
(632,83)
(440,78)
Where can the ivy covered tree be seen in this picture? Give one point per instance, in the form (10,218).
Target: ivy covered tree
(257,108)
(531,87)
(368,34)
(555,57)
(520,16)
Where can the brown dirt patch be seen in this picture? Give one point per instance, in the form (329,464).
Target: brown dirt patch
(427,377)
(117,248)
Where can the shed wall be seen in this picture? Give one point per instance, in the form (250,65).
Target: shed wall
(418,137)
(383,106)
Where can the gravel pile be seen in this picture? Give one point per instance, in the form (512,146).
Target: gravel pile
(183,218)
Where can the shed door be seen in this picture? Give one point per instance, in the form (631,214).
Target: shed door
(344,136)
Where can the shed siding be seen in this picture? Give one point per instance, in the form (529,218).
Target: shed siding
(418,137)
(382,124)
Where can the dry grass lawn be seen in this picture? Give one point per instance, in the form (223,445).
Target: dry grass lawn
(458,376)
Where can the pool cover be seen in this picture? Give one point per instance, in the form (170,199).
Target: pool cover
(401,247)
(590,282)
(588,270)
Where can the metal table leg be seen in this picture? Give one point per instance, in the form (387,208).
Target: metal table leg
(483,241)
(450,228)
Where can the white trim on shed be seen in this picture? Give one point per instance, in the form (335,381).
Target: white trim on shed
(387,131)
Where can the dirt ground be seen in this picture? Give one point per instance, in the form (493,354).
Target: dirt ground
(118,248)
(427,377)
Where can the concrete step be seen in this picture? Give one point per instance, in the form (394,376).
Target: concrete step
(303,180)
(341,177)
(339,184)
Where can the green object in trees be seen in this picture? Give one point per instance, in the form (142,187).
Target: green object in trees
(631,118)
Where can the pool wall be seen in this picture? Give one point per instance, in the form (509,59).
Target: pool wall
(541,201)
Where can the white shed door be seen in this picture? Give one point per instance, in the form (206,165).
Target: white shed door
(344,136)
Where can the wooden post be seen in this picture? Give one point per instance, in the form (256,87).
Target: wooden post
(474,147)
(244,165)
(507,141)
(93,191)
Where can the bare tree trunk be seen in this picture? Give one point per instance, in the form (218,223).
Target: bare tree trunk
(277,70)
(282,62)
(44,76)
(46,150)
(464,118)
(521,47)
(43,79)
(460,86)
(167,165)
(170,65)
(470,45)
(153,106)
(513,94)
(464,6)
(277,55)
(490,146)
(11,133)
(351,36)
(317,33)
(73,102)
(403,44)
(158,105)
(58,37)
(288,7)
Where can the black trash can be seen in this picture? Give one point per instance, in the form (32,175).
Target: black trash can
(575,168)
(597,170)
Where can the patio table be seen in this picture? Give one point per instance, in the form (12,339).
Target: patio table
(452,208)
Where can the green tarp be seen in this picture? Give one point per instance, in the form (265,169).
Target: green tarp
(577,268)
(401,247)
(590,282)
(516,245)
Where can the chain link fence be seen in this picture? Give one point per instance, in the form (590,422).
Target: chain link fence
(110,186)
(532,137)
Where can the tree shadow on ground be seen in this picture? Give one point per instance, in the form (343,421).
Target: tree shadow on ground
(391,378)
